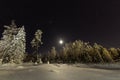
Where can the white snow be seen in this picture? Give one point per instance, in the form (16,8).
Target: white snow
(60,72)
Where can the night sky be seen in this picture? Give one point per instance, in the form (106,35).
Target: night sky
(88,20)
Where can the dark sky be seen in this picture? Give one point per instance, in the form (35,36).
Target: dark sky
(88,20)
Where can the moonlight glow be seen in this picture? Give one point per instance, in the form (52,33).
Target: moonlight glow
(61,42)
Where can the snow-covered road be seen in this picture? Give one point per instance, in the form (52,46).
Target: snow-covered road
(57,72)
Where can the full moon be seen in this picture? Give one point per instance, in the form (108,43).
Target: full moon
(60,41)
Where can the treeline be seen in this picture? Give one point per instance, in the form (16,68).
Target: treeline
(13,49)
(78,52)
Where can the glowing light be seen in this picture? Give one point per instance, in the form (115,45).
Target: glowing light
(61,42)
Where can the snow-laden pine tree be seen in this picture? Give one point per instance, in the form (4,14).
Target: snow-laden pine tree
(12,44)
(35,43)
(53,54)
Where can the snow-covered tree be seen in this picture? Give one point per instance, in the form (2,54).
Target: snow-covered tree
(13,44)
(53,53)
(114,53)
(36,42)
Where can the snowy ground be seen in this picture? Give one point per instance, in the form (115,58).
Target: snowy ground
(60,72)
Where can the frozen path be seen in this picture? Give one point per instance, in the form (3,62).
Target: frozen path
(57,72)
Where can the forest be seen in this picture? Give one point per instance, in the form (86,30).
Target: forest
(13,50)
